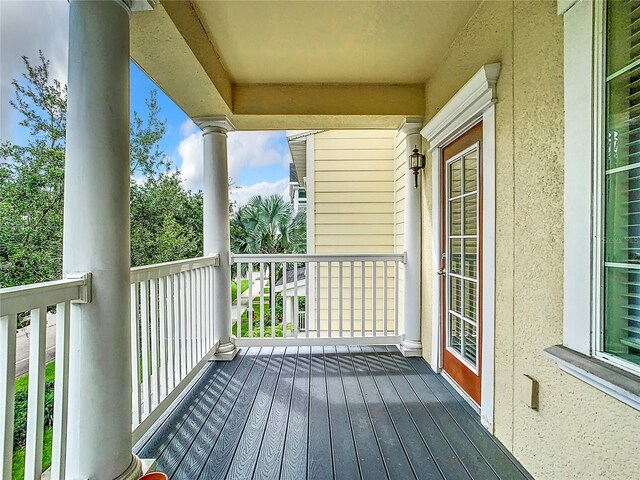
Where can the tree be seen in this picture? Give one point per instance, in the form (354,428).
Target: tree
(32,180)
(268,225)
(166,219)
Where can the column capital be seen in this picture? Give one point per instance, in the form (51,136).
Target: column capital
(214,124)
(411,125)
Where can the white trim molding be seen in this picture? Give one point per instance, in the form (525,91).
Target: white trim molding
(473,103)
(578,176)
(465,107)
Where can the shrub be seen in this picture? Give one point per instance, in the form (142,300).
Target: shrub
(21,402)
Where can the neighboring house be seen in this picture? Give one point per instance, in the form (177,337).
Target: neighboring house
(521,285)
(354,182)
(297,192)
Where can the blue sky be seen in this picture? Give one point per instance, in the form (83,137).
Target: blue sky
(258,161)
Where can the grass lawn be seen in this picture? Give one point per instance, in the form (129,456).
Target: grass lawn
(22,383)
(244,284)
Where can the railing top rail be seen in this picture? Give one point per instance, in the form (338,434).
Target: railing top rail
(320,257)
(149,272)
(25,297)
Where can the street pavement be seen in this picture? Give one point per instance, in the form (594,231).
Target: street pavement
(23,336)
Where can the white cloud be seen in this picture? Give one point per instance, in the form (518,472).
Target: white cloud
(190,153)
(188,127)
(244,149)
(25,28)
(242,195)
(255,149)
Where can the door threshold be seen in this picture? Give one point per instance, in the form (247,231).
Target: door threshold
(463,394)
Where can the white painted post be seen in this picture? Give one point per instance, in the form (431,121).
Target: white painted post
(96,239)
(411,345)
(216,227)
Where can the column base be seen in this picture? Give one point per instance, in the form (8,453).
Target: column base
(225,352)
(410,348)
(133,471)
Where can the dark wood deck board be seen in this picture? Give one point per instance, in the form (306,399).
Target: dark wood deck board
(244,458)
(332,412)
(294,463)
(215,419)
(271,451)
(219,459)
(393,453)
(345,465)
(319,460)
(367,448)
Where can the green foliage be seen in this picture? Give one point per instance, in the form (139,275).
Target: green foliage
(20,407)
(32,181)
(166,219)
(244,284)
(20,422)
(268,225)
(17,472)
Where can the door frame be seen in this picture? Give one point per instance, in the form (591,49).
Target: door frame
(473,103)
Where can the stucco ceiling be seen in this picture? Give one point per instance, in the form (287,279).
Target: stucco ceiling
(332,41)
(297,64)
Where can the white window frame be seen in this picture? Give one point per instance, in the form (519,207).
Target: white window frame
(584,91)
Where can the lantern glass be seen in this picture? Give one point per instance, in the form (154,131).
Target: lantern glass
(415,159)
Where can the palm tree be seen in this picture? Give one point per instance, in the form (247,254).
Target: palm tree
(267,225)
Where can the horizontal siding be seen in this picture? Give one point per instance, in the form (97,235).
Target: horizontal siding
(355,197)
(352,176)
(355,212)
(356,208)
(357,220)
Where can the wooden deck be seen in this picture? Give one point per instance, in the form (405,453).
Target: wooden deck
(322,413)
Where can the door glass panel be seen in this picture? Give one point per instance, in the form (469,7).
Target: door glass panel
(455,217)
(455,295)
(470,299)
(471,257)
(471,214)
(455,179)
(455,335)
(462,269)
(470,347)
(470,172)
(456,255)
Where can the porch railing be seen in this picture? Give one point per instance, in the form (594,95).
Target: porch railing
(34,300)
(172,333)
(289,299)
(172,338)
(340,298)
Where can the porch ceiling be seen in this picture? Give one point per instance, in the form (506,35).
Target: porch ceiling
(297,64)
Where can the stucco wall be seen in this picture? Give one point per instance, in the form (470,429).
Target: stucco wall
(578,432)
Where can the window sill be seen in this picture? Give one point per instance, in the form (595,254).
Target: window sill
(607,378)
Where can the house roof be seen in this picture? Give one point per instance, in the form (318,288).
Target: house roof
(301,276)
(293,176)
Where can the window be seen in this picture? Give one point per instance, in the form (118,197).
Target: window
(619,186)
(601,321)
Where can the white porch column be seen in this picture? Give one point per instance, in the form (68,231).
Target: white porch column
(216,226)
(411,345)
(96,240)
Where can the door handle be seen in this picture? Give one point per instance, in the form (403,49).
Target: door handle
(441,271)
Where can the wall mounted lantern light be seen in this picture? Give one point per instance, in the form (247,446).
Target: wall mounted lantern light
(417,162)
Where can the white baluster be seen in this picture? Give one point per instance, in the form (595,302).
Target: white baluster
(35,410)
